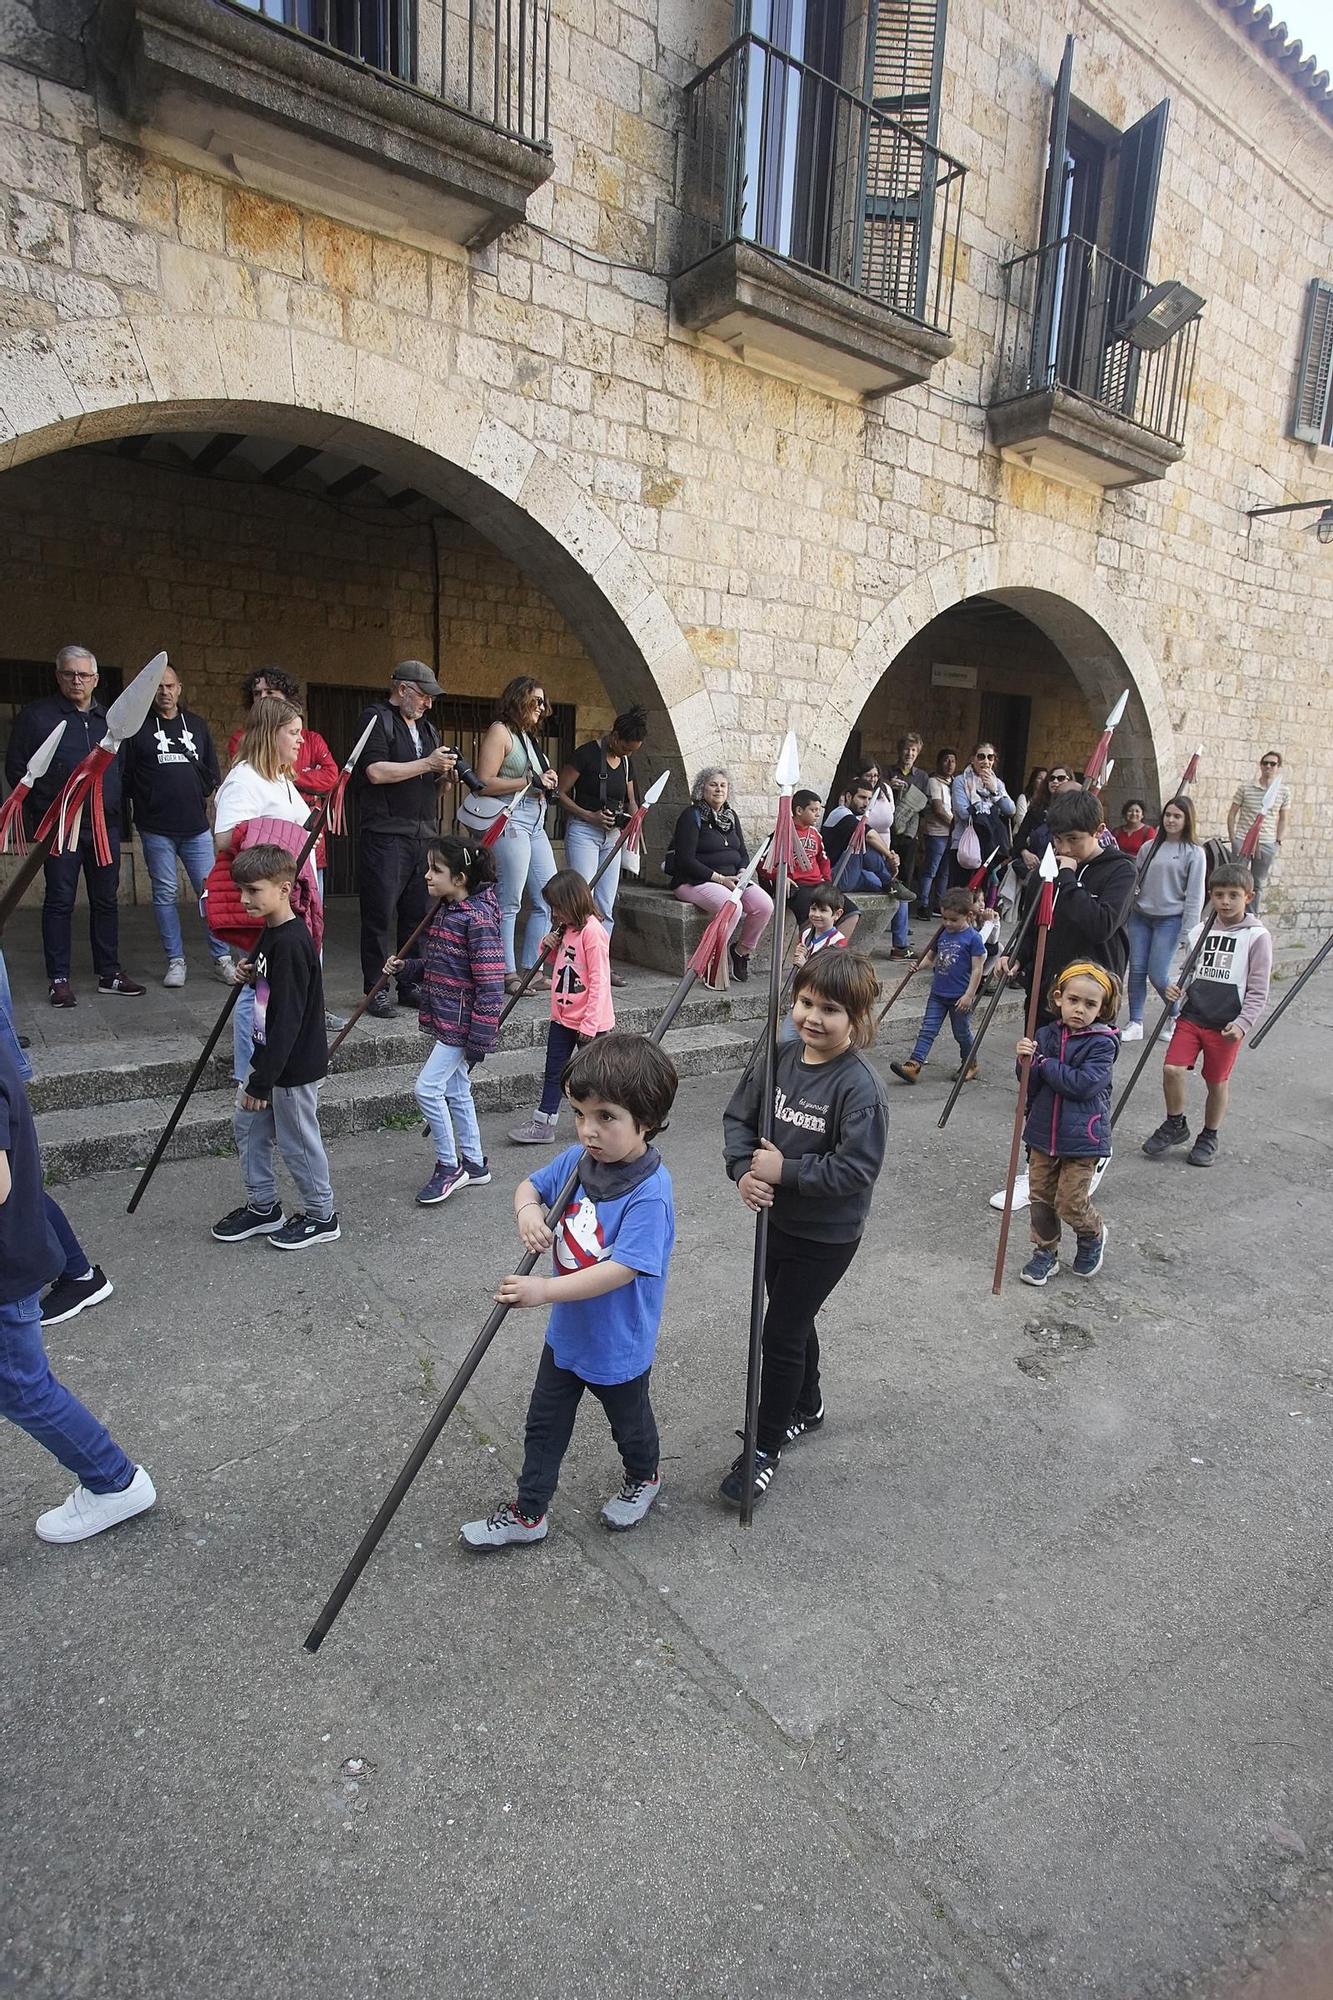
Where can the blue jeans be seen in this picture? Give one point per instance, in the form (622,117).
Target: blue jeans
(1152,944)
(8,1032)
(937,1012)
(524,864)
(444,1094)
(243,1034)
(931,872)
(586,849)
(196,852)
(32,1398)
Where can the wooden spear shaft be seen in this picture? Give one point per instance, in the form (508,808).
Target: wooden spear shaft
(755,1358)
(1015,1144)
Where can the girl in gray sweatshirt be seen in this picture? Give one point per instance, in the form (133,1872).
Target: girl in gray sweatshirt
(1168,899)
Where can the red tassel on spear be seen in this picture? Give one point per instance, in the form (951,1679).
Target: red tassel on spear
(1272,799)
(12,837)
(1191,770)
(1045,911)
(499,826)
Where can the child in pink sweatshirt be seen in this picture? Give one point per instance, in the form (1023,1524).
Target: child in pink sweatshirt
(580,994)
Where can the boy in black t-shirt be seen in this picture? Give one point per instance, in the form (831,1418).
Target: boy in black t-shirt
(111,1486)
(278,1104)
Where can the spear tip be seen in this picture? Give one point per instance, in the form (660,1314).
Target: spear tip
(1049,866)
(789,763)
(656,789)
(1117,713)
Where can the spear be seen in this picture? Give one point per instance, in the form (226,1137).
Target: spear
(974,882)
(1094,774)
(1247,849)
(11,812)
(1045,907)
(1288,997)
(705,960)
(229,1004)
(58,831)
(783,851)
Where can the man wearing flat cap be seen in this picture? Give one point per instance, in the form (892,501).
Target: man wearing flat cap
(398,780)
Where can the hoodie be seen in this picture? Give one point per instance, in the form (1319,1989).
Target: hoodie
(1069,1091)
(1091,906)
(1231,974)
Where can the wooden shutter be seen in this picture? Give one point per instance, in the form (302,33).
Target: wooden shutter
(905,65)
(1314,382)
(1053,191)
(1138,173)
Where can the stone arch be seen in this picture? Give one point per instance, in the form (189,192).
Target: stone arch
(1059,594)
(91,381)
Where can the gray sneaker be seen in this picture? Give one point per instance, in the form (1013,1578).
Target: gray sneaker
(505,1526)
(539,1131)
(632,1502)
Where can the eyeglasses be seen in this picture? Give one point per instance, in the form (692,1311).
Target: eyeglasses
(77,673)
(1269,763)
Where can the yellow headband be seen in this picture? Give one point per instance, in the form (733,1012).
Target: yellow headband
(1083,968)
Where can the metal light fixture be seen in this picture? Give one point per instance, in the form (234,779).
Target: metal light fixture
(1159,314)
(1323,527)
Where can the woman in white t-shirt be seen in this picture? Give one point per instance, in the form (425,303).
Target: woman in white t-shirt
(259,785)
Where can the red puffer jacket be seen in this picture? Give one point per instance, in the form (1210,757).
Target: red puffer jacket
(222,911)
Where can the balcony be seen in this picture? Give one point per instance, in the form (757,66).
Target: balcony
(1075,398)
(820,237)
(426,122)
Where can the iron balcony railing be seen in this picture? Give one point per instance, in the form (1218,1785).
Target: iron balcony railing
(488,58)
(782,157)
(1065,308)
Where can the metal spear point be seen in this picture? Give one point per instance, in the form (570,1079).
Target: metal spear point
(11,812)
(787,777)
(1094,776)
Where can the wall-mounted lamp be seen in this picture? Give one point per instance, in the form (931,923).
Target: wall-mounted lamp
(1323,527)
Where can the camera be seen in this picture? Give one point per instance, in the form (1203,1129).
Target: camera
(462,769)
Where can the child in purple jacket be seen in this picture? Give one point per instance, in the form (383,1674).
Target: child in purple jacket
(1068,1127)
(461,975)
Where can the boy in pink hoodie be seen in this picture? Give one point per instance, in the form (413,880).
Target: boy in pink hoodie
(580,994)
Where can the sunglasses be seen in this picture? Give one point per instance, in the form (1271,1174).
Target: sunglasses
(1269,764)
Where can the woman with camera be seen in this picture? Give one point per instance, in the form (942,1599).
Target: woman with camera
(510,760)
(598,794)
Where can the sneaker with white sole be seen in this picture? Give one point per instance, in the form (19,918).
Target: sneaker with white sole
(802,1426)
(502,1529)
(86,1513)
(733,1486)
(1098,1174)
(629,1506)
(1132,1031)
(224,971)
(442,1183)
(175,972)
(300,1231)
(478,1172)
(1041,1266)
(1091,1249)
(242,1223)
(539,1131)
(1022,1194)
(68,1296)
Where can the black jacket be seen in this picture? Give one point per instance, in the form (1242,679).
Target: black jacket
(1091,906)
(698,852)
(291,1043)
(171,771)
(83,732)
(411,808)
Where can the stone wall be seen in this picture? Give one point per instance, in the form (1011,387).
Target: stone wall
(754,551)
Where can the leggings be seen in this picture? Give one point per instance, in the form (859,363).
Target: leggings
(799,1274)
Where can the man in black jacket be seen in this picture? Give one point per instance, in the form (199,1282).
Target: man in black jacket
(74,704)
(171,772)
(397,782)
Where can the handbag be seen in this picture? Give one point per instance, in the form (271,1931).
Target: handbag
(478,813)
(969,848)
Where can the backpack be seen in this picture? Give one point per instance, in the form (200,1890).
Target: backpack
(1216,852)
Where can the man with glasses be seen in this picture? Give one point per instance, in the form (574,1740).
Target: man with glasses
(1245,809)
(75,704)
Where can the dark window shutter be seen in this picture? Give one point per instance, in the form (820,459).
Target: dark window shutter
(1053,190)
(1138,172)
(907,60)
(1314,383)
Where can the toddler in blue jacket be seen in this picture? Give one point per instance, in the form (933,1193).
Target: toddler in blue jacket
(1068,1127)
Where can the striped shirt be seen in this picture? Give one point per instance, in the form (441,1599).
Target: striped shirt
(1250,800)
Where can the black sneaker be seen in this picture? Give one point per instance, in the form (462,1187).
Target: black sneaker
(68,1296)
(803,1426)
(246,1222)
(1091,1250)
(1204,1150)
(410,996)
(381,1008)
(740,965)
(300,1230)
(1171,1132)
(765,1465)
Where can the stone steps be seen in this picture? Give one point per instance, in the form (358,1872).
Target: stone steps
(99,1117)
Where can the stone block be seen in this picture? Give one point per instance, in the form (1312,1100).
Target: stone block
(264,232)
(33,163)
(41,230)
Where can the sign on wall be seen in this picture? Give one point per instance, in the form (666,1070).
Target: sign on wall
(952,677)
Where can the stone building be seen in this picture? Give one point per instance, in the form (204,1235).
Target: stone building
(829,364)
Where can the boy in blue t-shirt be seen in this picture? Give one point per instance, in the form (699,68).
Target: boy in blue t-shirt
(959,958)
(611,1248)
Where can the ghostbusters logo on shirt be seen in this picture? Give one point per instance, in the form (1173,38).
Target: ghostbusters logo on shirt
(579,1242)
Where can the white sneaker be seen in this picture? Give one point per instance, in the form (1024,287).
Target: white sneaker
(1132,1031)
(224,971)
(504,1527)
(1022,1193)
(1099,1174)
(86,1513)
(175,972)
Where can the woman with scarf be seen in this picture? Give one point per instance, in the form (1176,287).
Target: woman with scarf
(706,856)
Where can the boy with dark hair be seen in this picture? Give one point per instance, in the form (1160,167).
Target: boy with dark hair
(1092,904)
(1226,994)
(278,1104)
(959,960)
(111,1486)
(611,1249)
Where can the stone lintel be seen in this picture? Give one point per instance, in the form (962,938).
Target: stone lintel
(779,316)
(237,94)
(1078,442)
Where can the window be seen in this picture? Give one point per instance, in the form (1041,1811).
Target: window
(1312,418)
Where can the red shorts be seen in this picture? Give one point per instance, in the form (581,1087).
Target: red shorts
(1189,1041)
